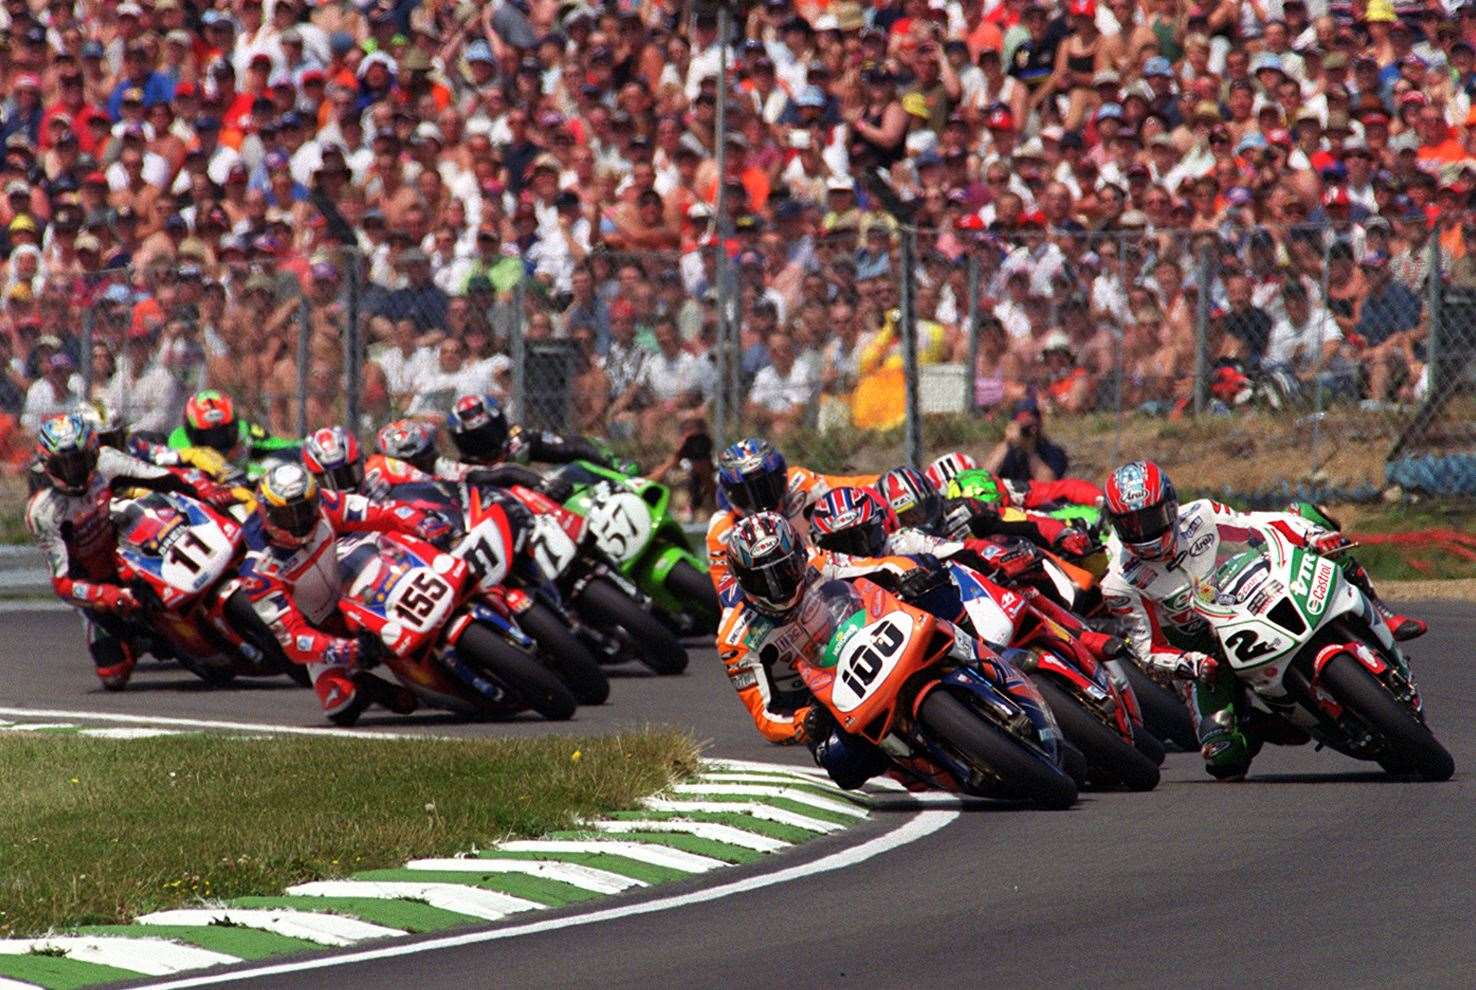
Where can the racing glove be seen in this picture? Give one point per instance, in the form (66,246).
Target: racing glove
(1326,544)
(215,494)
(1196,667)
(112,598)
(431,528)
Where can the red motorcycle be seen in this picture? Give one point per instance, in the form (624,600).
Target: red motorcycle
(181,558)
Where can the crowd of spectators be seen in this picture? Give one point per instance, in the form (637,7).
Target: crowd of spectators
(217,193)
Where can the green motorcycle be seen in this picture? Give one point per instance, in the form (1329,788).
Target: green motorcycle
(631,522)
(262,449)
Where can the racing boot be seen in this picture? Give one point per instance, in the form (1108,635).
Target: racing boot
(115,676)
(113,656)
(1226,749)
(340,697)
(1402,627)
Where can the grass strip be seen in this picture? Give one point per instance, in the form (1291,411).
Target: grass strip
(233,940)
(117,829)
(405,914)
(554,893)
(59,972)
(648,872)
(762,826)
(710,848)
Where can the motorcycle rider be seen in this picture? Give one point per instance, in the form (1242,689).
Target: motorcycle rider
(762,634)
(1032,496)
(70,521)
(479,429)
(754,477)
(960,516)
(333,456)
(1156,552)
(210,421)
(293,582)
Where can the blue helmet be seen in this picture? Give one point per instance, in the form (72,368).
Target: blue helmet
(753,476)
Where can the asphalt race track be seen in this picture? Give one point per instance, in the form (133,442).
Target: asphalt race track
(1318,871)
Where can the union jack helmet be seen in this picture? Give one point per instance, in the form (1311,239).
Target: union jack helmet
(1143,509)
(850,521)
(942,470)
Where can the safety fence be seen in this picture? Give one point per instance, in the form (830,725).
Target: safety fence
(1254,362)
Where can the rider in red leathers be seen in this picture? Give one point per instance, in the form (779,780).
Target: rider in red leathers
(69,519)
(294,585)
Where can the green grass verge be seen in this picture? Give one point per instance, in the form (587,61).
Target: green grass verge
(102,831)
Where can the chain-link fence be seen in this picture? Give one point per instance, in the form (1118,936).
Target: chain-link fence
(1252,362)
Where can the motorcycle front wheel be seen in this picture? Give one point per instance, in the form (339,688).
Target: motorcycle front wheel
(521,674)
(1410,742)
(248,625)
(1104,747)
(568,657)
(606,605)
(1164,714)
(985,746)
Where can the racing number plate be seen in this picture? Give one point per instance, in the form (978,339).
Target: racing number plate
(484,550)
(868,659)
(420,600)
(552,548)
(620,522)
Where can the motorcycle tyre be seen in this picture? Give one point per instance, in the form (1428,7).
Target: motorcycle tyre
(984,744)
(570,659)
(243,618)
(1147,743)
(216,677)
(694,589)
(1164,714)
(604,604)
(1412,743)
(538,687)
(1104,746)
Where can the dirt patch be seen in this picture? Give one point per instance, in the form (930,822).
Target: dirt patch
(1403,591)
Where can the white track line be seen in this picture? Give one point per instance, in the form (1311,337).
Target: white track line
(644,852)
(918,827)
(715,831)
(201,723)
(584,877)
(36,726)
(490,905)
(8,984)
(765,790)
(149,956)
(325,929)
(773,779)
(752,809)
(126,732)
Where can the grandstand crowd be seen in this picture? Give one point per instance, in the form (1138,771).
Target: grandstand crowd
(189,187)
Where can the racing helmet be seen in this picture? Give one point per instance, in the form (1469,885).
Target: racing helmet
(288,495)
(768,562)
(1143,510)
(912,498)
(410,441)
(333,456)
(478,428)
(753,476)
(66,449)
(210,421)
(980,485)
(850,521)
(107,424)
(942,470)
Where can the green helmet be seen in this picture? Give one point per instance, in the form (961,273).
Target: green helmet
(979,484)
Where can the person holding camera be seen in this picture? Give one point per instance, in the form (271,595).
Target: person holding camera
(1025,454)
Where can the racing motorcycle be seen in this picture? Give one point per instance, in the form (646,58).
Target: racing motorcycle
(1096,710)
(445,640)
(917,688)
(608,612)
(1307,646)
(181,558)
(629,519)
(503,555)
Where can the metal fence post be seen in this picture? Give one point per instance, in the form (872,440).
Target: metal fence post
(519,355)
(1433,286)
(908,328)
(87,334)
(1317,389)
(1119,370)
(971,394)
(353,350)
(1205,279)
(304,355)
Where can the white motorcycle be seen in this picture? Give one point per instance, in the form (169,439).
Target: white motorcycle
(1308,646)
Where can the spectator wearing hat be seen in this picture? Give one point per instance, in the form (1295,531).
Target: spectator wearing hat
(1068,387)
(21,112)
(139,73)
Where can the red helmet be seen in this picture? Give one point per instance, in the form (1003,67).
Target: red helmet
(1143,509)
(942,470)
(912,498)
(851,521)
(210,421)
(333,455)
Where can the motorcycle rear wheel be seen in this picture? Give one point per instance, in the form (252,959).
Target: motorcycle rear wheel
(1164,714)
(1104,747)
(605,604)
(1410,740)
(248,625)
(521,674)
(566,655)
(695,590)
(984,745)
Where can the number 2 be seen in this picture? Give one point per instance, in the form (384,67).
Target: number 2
(1246,646)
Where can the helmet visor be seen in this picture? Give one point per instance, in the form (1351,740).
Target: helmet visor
(221,438)
(1146,525)
(296,517)
(72,467)
(343,478)
(869,539)
(757,494)
(921,514)
(773,584)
